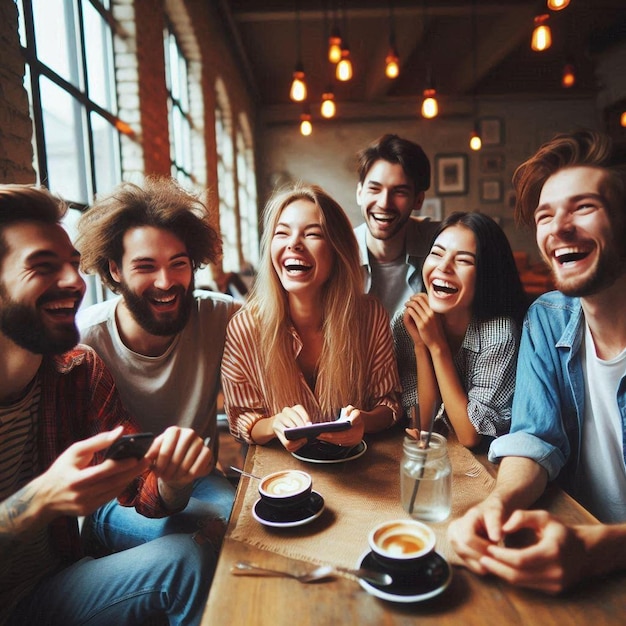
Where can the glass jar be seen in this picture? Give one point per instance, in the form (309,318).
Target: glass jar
(425,479)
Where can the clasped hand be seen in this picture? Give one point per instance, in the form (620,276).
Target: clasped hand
(550,561)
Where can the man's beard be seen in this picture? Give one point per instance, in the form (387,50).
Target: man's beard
(23,325)
(143,314)
(609,268)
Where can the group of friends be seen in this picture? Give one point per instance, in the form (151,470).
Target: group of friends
(397,313)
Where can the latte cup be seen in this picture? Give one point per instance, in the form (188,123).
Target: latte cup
(285,488)
(401,543)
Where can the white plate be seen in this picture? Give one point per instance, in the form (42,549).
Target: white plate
(314,452)
(288,518)
(438,578)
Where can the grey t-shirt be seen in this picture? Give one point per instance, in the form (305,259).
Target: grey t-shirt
(179,387)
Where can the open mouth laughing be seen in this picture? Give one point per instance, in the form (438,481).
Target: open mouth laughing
(570,255)
(296,267)
(443,287)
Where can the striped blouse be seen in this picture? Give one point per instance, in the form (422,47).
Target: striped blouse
(244,383)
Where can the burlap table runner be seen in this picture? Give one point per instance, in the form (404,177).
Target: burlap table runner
(358,495)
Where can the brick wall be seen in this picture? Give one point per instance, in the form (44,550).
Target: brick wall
(16,152)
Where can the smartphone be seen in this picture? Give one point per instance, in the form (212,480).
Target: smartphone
(311,431)
(128,446)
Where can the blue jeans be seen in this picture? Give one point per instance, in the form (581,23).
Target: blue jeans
(170,575)
(119,527)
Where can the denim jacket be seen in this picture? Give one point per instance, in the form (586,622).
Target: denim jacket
(549,401)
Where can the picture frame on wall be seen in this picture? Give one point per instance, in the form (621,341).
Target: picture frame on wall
(491,189)
(491,131)
(432,208)
(491,162)
(451,174)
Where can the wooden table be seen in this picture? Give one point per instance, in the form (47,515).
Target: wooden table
(470,599)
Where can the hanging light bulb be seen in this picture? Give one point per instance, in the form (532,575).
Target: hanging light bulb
(622,119)
(569,76)
(542,36)
(392,63)
(430,106)
(344,67)
(475,142)
(557,5)
(306,128)
(328,108)
(298,85)
(334,46)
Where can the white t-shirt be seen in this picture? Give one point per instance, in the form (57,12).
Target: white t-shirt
(179,387)
(602,488)
(389,284)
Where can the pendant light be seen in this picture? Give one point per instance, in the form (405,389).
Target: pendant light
(298,91)
(542,35)
(306,127)
(558,5)
(344,67)
(392,60)
(334,46)
(568,79)
(430,106)
(475,142)
(328,108)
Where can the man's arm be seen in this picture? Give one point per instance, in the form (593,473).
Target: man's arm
(70,486)
(520,482)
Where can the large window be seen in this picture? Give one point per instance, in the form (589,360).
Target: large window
(186,142)
(246,191)
(68,47)
(226,182)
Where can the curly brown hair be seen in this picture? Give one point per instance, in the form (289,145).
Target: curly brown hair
(580,148)
(161,203)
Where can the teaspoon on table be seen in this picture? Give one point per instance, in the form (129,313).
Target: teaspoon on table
(232,467)
(242,568)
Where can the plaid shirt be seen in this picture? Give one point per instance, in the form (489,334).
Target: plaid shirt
(79,400)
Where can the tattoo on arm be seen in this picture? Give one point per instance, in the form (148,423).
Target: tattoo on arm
(14,514)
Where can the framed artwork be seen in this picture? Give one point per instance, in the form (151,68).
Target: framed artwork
(451,174)
(491,189)
(492,131)
(491,163)
(432,208)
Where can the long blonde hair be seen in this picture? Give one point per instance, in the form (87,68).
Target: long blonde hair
(342,369)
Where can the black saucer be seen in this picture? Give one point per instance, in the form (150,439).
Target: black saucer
(323,452)
(286,517)
(427,579)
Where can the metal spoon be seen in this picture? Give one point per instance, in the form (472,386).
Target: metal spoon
(243,568)
(232,467)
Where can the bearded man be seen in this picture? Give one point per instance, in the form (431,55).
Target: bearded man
(161,339)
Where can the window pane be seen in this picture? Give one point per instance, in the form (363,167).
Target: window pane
(99,60)
(63,127)
(106,153)
(56,38)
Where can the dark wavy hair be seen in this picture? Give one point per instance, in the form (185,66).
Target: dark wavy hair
(161,203)
(499,291)
(395,149)
(580,148)
(26,203)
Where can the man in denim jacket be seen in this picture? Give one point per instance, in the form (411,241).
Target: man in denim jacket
(569,411)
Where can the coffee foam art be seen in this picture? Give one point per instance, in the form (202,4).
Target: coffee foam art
(402,539)
(285,483)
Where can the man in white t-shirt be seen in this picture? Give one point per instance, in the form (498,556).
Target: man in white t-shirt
(394,173)
(161,339)
(569,411)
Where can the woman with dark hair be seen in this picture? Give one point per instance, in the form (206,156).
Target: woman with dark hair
(466,327)
(308,342)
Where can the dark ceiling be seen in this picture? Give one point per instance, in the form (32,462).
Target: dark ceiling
(435,36)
